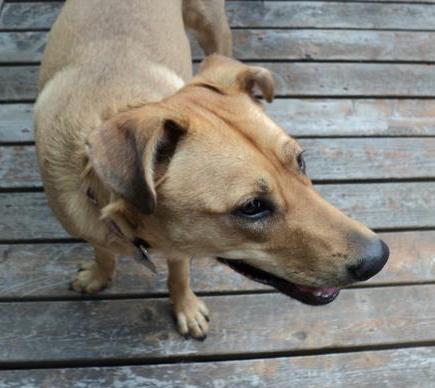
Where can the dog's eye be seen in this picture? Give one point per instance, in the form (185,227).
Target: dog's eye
(255,209)
(301,163)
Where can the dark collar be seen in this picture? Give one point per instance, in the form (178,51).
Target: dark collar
(141,246)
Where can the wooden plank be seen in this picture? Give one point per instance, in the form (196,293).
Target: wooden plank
(35,220)
(381,206)
(388,205)
(282,14)
(86,331)
(362,1)
(45,270)
(327,159)
(291,79)
(18,83)
(29,15)
(352,117)
(299,117)
(319,14)
(333,45)
(27,46)
(337,159)
(18,167)
(352,79)
(399,368)
(16,123)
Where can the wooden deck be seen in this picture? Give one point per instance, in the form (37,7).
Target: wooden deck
(356,83)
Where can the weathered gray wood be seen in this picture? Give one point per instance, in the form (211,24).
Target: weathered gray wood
(134,329)
(350,79)
(18,83)
(29,15)
(327,159)
(337,159)
(292,79)
(361,1)
(333,45)
(16,123)
(345,117)
(386,205)
(45,270)
(330,15)
(18,167)
(26,47)
(27,216)
(21,16)
(300,117)
(400,368)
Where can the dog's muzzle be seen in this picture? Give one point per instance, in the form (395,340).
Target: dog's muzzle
(305,294)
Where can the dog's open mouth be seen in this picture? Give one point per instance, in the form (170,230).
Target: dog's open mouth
(304,294)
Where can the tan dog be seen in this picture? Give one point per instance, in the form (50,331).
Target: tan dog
(129,152)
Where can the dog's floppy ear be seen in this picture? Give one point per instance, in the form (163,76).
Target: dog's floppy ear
(127,150)
(233,76)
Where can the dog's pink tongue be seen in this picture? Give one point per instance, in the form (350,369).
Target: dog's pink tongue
(318,291)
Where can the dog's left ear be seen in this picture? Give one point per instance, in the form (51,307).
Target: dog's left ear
(132,150)
(235,77)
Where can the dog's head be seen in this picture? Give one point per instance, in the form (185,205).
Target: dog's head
(210,174)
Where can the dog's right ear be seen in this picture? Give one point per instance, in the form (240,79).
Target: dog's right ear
(233,76)
(127,150)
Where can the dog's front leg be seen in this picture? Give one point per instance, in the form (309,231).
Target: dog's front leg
(96,275)
(190,312)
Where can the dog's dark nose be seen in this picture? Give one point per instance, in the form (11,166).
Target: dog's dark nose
(375,256)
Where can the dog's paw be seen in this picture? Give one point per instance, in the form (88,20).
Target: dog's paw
(90,279)
(191,315)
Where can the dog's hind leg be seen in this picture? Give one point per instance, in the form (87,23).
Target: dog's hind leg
(190,312)
(96,275)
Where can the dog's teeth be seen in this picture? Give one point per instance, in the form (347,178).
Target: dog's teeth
(318,293)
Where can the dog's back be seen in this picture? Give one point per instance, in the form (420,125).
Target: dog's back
(102,57)
(119,43)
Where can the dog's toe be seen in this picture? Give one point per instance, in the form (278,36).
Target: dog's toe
(191,315)
(89,279)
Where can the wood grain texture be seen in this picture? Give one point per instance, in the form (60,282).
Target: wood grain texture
(19,167)
(29,15)
(45,270)
(330,15)
(240,324)
(299,117)
(401,368)
(16,123)
(352,79)
(333,45)
(283,14)
(353,117)
(327,159)
(18,83)
(27,46)
(291,79)
(386,205)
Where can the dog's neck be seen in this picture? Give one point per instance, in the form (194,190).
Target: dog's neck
(140,245)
